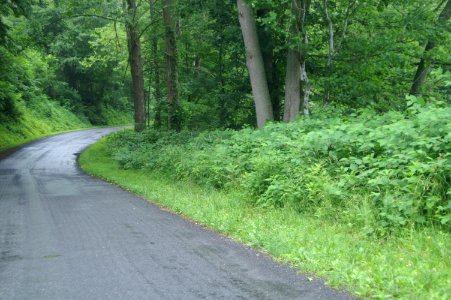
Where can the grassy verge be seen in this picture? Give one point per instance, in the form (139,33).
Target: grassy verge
(47,119)
(414,265)
(16,141)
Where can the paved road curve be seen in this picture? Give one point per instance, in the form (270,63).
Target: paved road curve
(65,235)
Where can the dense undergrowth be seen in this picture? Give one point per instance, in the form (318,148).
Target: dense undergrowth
(375,173)
(411,265)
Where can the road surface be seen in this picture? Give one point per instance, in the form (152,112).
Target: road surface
(66,235)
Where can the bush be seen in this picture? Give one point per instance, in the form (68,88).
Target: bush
(379,173)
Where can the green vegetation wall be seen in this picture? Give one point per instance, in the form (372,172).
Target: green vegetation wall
(47,82)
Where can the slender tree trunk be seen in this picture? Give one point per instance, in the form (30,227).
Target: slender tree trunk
(422,72)
(158,95)
(296,73)
(174,118)
(333,48)
(424,66)
(255,65)
(306,83)
(148,109)
(134,57)
(350,9)
(330,55)
(292,86)
(156,69)
(277,89)
(221,81)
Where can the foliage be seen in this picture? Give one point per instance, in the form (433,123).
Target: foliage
(7,8)
(376,172)
(41,59)
(377,45)
(82,47)
(8,94)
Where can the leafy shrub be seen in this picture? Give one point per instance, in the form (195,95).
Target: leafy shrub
(376,172)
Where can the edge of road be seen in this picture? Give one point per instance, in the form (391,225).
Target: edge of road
(10,150)
(309,275)
(4,153)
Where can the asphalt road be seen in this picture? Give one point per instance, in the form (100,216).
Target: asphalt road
(66,235)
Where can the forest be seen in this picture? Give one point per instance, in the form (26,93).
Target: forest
(191,69)
(331,110)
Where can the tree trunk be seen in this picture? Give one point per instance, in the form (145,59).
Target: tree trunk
(306,83)
(156,69)
(331,52)
(174,118)
(270,61)
(276,88)
(292,86)
(255,65)
(295,69)
(221,81)
(134,57)
(424,67)
(272,75)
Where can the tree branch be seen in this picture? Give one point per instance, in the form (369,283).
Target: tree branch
(96,16)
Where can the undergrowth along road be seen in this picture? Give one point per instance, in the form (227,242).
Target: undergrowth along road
(413,265)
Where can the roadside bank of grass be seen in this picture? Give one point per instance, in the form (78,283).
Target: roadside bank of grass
(47,119)
(411,265)
(35,123)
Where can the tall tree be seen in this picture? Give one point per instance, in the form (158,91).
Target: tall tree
(174,118)
(271,58)
(334,47)
(156,66)
(331,50)
(134,57)
(295,70)
(255,65)
(424,67)
(292,86)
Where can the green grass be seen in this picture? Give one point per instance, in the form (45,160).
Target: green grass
(413,265)
(46,119)
(34,123)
